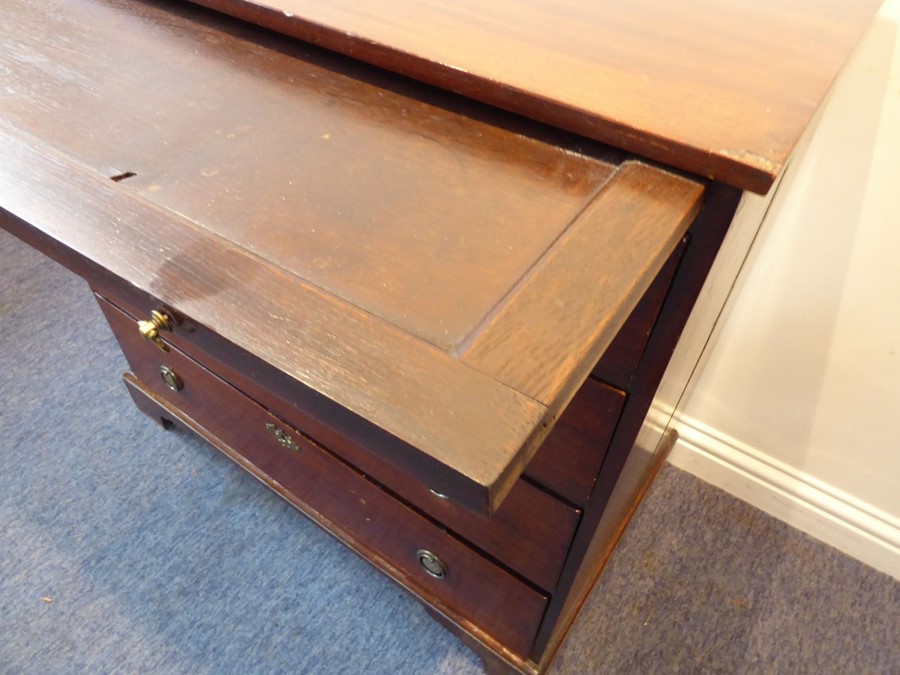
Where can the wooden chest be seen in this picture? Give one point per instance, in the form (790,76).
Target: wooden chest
(435,327)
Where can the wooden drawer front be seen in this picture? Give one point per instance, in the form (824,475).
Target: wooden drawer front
(623,355)
(570,458)
(530,533)
(340,498)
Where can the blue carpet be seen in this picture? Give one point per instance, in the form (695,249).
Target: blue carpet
(127,549)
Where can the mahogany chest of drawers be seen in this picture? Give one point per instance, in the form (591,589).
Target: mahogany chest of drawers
(435,327)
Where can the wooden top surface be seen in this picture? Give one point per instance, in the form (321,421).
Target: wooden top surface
(720,88)
(445,270)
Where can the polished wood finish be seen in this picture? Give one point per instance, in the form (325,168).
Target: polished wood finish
(530,533)
(721,89)
(263,382)
(570,458)
(353,204)
(383,257)
(335,349)
(624,353)
(566,463)
(474,591)
(493,661)
(409,287)
(706,237)
(565,313)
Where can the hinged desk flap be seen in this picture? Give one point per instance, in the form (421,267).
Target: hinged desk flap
(445,271)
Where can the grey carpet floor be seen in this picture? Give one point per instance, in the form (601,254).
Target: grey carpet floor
(126,549)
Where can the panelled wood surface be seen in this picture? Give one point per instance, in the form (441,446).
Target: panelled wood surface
(380,242)
(722,89)
(530,533)
(332,347)
(346,177)
(560,319)
(475,592)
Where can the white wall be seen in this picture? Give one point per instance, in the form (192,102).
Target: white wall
(797,409)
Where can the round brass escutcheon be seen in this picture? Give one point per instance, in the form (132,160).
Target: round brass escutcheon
(171,378)
(432,564)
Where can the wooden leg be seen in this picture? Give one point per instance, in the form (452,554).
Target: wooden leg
(494,663)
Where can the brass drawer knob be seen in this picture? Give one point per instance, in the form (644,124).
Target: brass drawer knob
(432,564)
(171,378)
(282,437)
(149,330)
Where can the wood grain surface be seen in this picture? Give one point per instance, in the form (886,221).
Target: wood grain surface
(722,89)
(364,517)
(562,316)
(350,179)
(623,355)
(570,458)
(445,270)
(707,236)
(530,533)
(398,382)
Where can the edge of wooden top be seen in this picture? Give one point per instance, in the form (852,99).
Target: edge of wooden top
(740,168)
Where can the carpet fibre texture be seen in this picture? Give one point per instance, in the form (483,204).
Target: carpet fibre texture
(128,549)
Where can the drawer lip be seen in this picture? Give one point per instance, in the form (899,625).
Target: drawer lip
(513,626)
(530,534)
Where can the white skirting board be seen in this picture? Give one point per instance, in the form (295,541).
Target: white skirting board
(844,522)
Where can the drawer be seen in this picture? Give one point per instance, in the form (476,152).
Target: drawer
(570,458)
(530,533)
(624,353)
(340,498)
